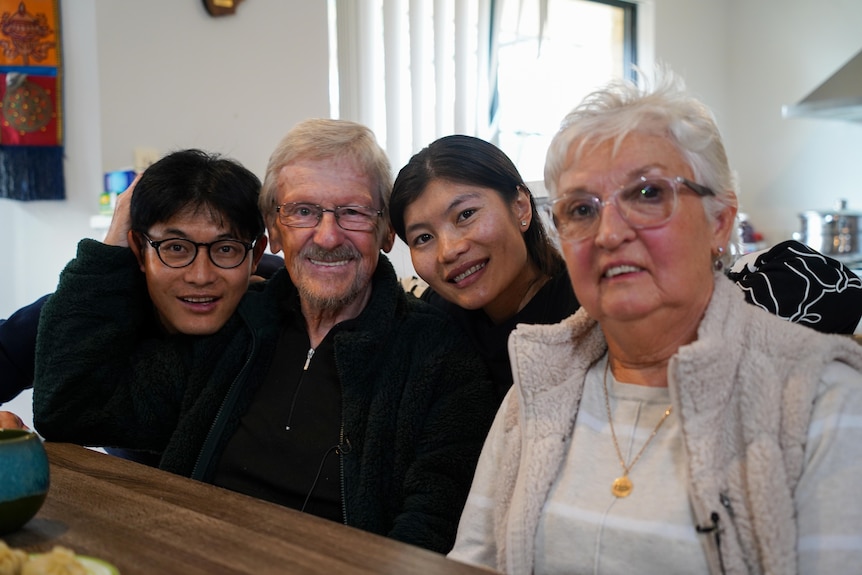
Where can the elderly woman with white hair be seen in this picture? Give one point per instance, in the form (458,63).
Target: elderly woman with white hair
(666,426)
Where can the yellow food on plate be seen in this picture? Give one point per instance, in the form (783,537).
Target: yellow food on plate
(59,561)
(11,560)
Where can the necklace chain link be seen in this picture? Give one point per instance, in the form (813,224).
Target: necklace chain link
(622,486)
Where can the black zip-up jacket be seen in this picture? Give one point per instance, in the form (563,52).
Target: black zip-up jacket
(417,401)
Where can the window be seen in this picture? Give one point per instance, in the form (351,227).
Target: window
(503,70)
(545,68)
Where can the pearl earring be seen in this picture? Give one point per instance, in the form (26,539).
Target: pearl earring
(717,264)
(523,222)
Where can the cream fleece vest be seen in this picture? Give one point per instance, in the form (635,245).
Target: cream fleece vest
(744,392)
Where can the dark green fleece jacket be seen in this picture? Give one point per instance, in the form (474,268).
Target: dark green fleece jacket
(417,401)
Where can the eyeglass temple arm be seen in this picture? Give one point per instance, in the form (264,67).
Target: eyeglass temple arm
(697,188)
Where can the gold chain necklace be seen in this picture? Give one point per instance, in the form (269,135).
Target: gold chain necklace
(622,485)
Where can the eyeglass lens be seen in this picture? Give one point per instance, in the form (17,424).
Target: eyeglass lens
(351,218)
(648,202)
(178,253)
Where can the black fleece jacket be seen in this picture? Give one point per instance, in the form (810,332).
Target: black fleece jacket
(417,401)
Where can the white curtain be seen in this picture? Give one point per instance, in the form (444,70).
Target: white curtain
(415,70)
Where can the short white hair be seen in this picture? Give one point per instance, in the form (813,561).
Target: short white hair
(665,109)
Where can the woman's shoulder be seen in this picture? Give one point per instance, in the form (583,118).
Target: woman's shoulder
(554,302)
(563,332)
(575,341)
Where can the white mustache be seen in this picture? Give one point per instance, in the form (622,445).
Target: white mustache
(338,254)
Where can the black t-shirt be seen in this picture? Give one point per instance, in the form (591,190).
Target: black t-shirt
(554,302)
(286,448)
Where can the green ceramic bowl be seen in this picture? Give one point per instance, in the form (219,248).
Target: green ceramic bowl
(24,477)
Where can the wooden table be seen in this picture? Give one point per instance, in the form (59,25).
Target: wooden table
(144,520)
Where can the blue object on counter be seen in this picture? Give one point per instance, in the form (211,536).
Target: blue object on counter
(116,182)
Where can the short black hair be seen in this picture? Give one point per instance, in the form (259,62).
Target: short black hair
(196,179)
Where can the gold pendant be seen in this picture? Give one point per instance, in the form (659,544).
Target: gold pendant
(622,486)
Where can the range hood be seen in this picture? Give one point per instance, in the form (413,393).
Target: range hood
(838,98)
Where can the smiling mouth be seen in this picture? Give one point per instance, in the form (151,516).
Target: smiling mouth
(620,270)
(467,273)
(198,300)
(329,264)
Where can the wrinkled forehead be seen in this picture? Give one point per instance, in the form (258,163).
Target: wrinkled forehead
(327,181)
(593,165)
(612,140)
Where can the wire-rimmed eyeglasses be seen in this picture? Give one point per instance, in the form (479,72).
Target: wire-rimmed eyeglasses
(648,202)
(350,218)
(179,252)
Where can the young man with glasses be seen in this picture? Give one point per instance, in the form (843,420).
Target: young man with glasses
(330,390)
(120,294)
(168,185)
(197,250)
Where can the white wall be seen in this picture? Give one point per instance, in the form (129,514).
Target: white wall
(789,165)
(164,74)
(39,237)
(747,59)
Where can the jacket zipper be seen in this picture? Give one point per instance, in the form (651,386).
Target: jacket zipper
(344,448)
(298,386)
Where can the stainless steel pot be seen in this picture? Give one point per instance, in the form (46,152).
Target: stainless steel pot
(832,233)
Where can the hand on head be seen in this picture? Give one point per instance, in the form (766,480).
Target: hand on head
(118,232)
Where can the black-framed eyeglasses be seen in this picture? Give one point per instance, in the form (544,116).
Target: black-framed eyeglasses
(648,202)
(350,218)
(179,252)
